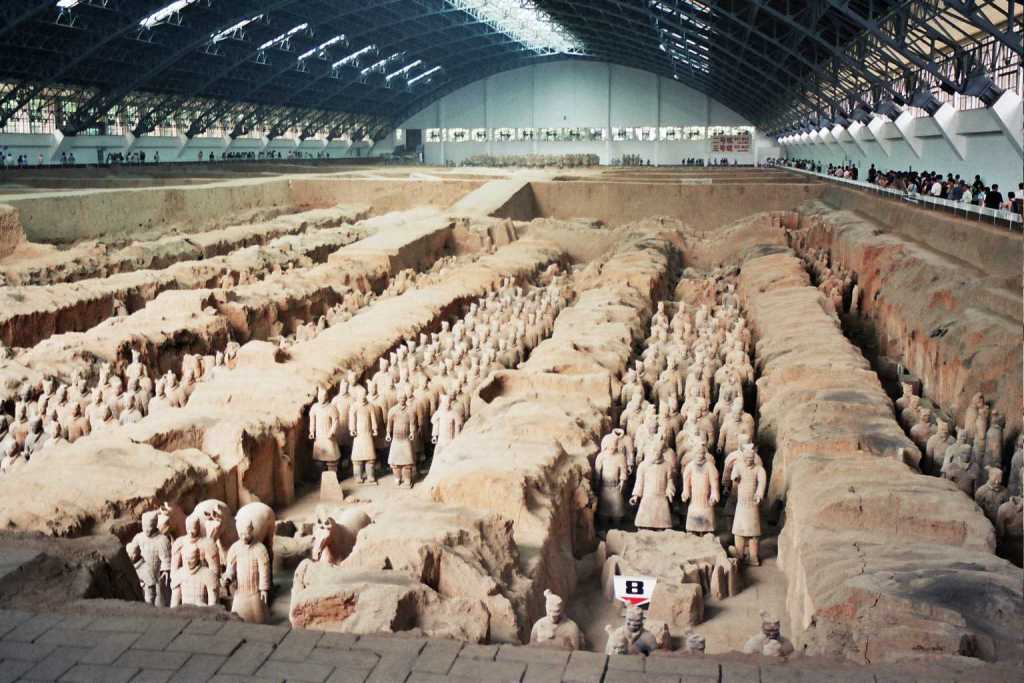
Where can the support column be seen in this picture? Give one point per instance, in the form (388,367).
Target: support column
(904,124)
(1008,112)
(877,127)
(855,131)
(608,119)
(440,126)
(946,119)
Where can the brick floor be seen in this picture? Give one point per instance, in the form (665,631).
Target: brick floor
(100,649)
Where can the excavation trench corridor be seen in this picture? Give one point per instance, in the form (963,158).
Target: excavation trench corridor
(449,404)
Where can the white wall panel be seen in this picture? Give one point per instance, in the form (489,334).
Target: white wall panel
(682,106)
(554,96)
(465,107)
(425,118)
(722,115)
(590,90)
(573,93)
(634,97)
(510,99)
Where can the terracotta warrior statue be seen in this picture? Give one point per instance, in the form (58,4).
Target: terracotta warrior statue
(194,537)
(1010,528)
(342,403)
(446,423)
(248,569)
(362,425)
(904,400)
(323,423)
(1017,466)
(959,467)
(700,488)
(971,414)
(770,641)
(401,430)
(610,474)
(618,440)
(921,431)
(737,422)
(151,552)
(991,495)
(694,644)
(194,584)
(749,479)
(135,369)
(993,452)
(555,630)
(960,448)
(632,636)
(616,643)
(935,449)
(653,491)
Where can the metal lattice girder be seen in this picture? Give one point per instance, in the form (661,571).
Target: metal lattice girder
(776,62)
(99,105)
(754,79)
(1007,30)
(14,14)
(68,60)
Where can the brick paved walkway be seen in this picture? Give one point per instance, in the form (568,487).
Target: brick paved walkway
(102,649)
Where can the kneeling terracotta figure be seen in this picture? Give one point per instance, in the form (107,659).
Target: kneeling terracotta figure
(770,641)
(632,636)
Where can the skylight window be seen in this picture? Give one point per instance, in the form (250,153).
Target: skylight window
(165,12)
(685,16)
(232,30)
(403,71)
(321,47)
(284,36)
(354,57)
(524,22)
(425,75)
(382,65)
(67,4)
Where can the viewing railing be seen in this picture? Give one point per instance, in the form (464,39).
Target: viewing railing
(1000,217)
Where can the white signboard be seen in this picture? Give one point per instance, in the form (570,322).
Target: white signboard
(634,590)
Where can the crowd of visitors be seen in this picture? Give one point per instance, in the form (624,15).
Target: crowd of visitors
(8,160)
(951,186)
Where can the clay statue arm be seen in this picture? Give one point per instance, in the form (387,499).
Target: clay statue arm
(332,421)
(762,481)
(686,485)
(352,421)
(212,593)
(228,577)
(713,482)
(165,557)
(638,490)
(388,427)
(312,426)
(263,563)
(670,489)
(721,439)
